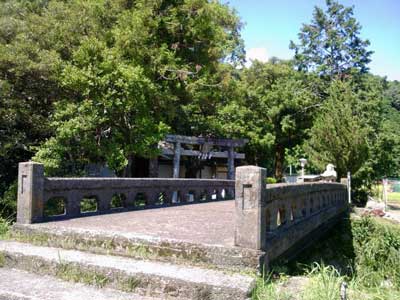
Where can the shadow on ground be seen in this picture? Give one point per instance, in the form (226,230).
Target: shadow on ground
(335,248)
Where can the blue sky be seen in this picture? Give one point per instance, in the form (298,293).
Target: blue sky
(271,24)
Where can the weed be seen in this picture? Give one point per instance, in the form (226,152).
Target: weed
(130,284)
(71,272)
(324,283)
(2,260)
(364,253)
(4,228)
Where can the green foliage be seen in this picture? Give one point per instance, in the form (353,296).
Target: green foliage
(266,288)
(330,45)
(324,283)
(365,250)
(377,246)
(340,132)
(393,94)
(89,204)
(149,63)
(362,252)
(8,203)
(273,112)
(270,180)
(100,80)
(4,229)
(54,207)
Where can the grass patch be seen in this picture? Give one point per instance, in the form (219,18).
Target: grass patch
(269,287)
(129,285)
(363,253)
(4,228)
(392,196)
(70,272)
(2,260)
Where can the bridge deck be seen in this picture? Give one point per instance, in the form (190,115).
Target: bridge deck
(204,223)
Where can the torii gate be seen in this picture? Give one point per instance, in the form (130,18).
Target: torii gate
(231,155)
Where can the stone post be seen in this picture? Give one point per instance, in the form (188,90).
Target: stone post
(250,202)
(30,193)
(231,163)
(177,160)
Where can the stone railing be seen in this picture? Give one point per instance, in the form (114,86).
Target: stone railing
(41,198)
(273,219)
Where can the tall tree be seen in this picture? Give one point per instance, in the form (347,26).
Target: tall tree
(393,94)
(331,44)
(340,132)
(151,66)
(274,111)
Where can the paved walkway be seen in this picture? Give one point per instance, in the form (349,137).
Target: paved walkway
(204,223)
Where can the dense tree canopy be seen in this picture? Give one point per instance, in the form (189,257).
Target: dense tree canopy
(117,72)
(273,111)
(340,132)
(330,45)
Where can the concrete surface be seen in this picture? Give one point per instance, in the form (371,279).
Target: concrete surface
(209,223)
(139,246)
(21,285)
(151,278)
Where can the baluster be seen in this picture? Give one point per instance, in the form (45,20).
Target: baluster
(210,194)
(104,201)
(273,225)
(73,208)
(285,214)
(303,209)
(183,195)
(168,197)
(268,221)
(130,198)
(151,197)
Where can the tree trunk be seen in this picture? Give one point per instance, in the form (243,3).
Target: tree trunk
(279,160)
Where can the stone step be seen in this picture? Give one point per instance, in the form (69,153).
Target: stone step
(139,246)
(147,278)
(21,285)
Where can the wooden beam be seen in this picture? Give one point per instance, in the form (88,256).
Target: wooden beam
(223,154)
(204,140)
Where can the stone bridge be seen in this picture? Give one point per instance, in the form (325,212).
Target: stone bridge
(171,238)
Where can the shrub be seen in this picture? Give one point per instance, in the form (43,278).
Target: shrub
(8,203)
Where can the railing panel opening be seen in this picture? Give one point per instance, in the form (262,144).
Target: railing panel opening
(161,198)
(118,201)
(55,206)
(89,204)
(140,200)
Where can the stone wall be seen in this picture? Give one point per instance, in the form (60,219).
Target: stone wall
(273,219)
(36,193)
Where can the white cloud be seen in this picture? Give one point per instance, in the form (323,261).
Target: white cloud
(256,54)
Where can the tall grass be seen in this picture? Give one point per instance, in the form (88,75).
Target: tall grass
(4,227)
(377,248)
(364,253)
(267,288)
(325,283)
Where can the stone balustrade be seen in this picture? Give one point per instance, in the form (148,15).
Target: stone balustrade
(276,217)
(41,198)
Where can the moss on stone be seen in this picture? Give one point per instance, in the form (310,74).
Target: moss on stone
(70,272)
(2,260)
